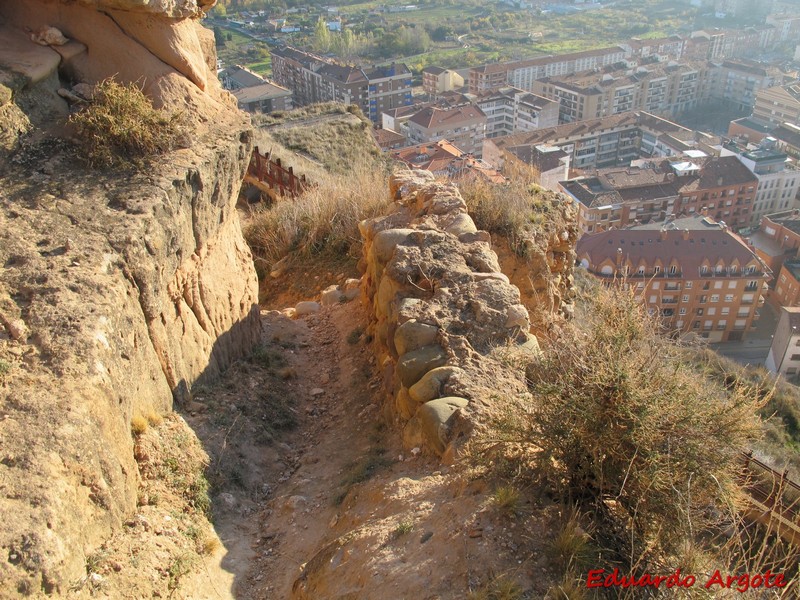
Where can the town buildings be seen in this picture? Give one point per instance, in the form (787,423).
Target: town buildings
(659,88)
(654,190)
(777,174)
(254,93)
(315,79)
(464,126)
(436,80)
(777,105)
(510,110)
(521,74)
(604,142)
(445,159)
(693,272)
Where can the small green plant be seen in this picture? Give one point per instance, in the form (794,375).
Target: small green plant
(178,568)
(5,369)
(507,499)
(120,126)
(402,529)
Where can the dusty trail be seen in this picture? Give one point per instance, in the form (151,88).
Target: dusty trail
(307,472)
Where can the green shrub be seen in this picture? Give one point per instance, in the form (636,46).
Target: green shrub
(627,428)
(119,126)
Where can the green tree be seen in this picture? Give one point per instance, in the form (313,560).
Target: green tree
(322,36)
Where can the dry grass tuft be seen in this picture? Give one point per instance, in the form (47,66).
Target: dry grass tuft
(153,418)
(520,211)
(506,499)
(120,126)
(139,425)
(324,220)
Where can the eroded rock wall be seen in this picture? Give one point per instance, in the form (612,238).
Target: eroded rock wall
(439,306)
(119,290)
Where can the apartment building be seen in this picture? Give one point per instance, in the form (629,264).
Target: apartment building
(777,105)
(694,273)
(464,126)
(777,239)
(509,110)
(521,74)
(263,98)
(737,82)
(312,79)
(436,80)
(788,137)
(547,165)
(784,353)
(604,142)
(660,49)
(653,190)
(659,88)
(777,174)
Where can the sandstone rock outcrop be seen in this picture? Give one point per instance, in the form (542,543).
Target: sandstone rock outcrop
(159,44)
(438,306)
(119,291)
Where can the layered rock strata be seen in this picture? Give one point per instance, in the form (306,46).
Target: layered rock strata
(119,290)
(438,306)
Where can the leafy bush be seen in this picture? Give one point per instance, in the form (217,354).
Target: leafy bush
(119,125)
(628,429)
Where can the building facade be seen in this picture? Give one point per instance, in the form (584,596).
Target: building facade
(464,126)
(784,354)
(694,273)
(313,79)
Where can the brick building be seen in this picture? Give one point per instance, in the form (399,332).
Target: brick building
(313,79)
(696,274)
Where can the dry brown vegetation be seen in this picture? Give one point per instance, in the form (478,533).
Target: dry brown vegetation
(119,126)
(520,210)
(640,448)
(323,221)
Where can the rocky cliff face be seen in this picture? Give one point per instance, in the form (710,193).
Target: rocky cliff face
(119,291)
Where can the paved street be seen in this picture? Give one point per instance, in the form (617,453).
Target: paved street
(754,349)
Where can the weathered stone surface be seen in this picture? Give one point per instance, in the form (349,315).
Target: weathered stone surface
(136,289)
(431,385)
(331,296)
(413,335)
(413,365)
(517,316)
(386,242)
(429,427)
(307,307)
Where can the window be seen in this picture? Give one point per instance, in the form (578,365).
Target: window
(656,284)
(725,310)
(689,285)
(673,269)
(795,357)
(699,312)
(683,312)
(641,271)
(717,285)
(653,300)
(656,270)
(731,284)
(685,298)
(696,325)
(702,299)
(728,297)
(640,285)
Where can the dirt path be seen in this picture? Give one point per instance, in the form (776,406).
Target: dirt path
(275,503)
